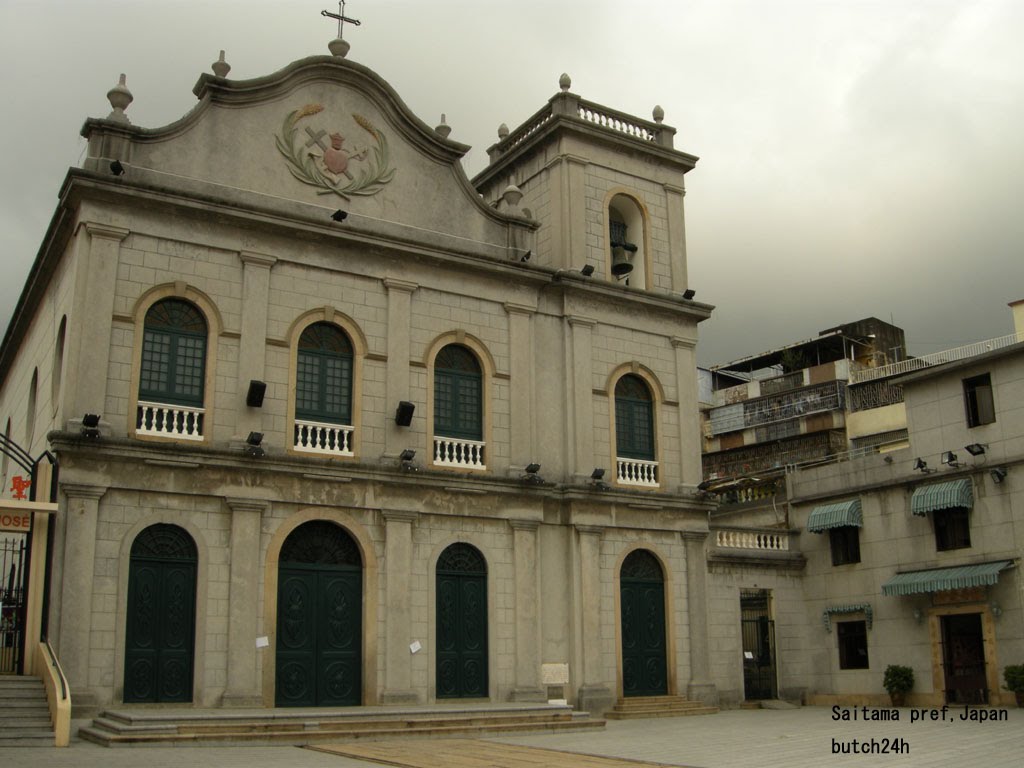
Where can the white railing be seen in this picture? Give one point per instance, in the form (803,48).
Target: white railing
(764,540)
(636,472)
(454,452)
(617,121)
(181,422)
(328,439)
(936,358)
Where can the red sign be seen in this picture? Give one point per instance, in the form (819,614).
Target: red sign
(19,485)
(15,522)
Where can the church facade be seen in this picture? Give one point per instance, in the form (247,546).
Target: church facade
(368,432)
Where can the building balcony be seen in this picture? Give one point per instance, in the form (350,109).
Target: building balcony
(760,547)
(175,422)
(636,472)
(323,438)
(794,404)
(459,453)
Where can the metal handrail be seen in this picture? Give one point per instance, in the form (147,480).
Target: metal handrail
(56,666)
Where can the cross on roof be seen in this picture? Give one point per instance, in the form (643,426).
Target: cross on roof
(341,17)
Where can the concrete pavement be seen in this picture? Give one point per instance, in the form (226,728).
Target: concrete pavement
(796,738)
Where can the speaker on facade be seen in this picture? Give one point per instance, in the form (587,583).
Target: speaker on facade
(403,416)
(254,397)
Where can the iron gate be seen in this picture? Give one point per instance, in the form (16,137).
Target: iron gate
(758,632)
(13,572)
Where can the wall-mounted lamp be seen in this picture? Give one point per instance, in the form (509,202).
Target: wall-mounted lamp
(253,447)
(254,397)
(948,457)
(587,270)
(597,479)
(998,474)
(997,611)
(975,449)
(689,293)
(532,474)
(918,615)
(90,426)
(406,458)
(116,168)
(339,215)
(921,465)
(403,414)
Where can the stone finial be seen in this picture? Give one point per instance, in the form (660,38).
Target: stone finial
(221,67)
(502,132)
(512,195)
(442,128)
(658,113)
(339,47)
(565,82)
(119,97)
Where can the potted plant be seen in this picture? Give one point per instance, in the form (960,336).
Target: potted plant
(898,681)
(1013,674)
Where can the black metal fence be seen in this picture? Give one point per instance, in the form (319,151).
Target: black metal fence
(12,602)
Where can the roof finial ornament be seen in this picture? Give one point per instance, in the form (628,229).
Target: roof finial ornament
(442,128)
(658,114)
(119,97)
(565,82)
(221,67)
(338,46)
(502,132)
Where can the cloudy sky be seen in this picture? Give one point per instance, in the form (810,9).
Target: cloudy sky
(857,158)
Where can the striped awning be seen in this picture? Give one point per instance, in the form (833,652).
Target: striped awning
(837,515)
(954,493)
(941,579)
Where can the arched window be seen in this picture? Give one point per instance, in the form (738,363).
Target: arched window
(634,432)
(172,376)
(58,365)
(323,391)
(458,394)
(30,415)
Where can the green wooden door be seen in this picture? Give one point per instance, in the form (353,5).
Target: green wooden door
(461,623)
(642,604)
(159,635)
(319,619)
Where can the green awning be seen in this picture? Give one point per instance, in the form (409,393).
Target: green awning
(940,579)
(838,515)
(955,493)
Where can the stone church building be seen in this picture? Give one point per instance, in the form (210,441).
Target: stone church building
(369,431)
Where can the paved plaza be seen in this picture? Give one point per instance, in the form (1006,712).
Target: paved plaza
(795,738)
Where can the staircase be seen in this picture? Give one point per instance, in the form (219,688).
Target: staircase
(26,713)
(306,726)
(636,707)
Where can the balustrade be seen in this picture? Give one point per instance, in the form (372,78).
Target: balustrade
(776,541)
(181,422)
(454,452)
(636,472)
(318,437)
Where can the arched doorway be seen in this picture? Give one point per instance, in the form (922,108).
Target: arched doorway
(642,591)
(160,631)
(319,618)
(461,623)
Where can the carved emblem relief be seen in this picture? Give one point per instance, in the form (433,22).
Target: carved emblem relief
(334,162)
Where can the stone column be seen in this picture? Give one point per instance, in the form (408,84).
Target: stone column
(700,687)
(252,347)
(242,688)
(523,450)
(398,616)
(527,605)
(81,515)
(581,399)
(396,386)
(88,345)
(690,472)
(594,695)
(676,235)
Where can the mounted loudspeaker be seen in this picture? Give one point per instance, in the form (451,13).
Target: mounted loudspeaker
(403,416)
(254,397)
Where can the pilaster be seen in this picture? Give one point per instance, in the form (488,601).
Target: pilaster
(242,688)
(700,687)
(690,472)
(396,386)
(252,351)
(676,236)
(398,616)
(594,695)
(581,411)
(527,607)
(522,391)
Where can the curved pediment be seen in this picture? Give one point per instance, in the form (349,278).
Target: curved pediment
(324,131)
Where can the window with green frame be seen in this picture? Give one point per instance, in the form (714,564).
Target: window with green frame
(634,419)
(323,386)
(173,354)
(458,394)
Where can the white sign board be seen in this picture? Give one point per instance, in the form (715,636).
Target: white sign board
(554,674)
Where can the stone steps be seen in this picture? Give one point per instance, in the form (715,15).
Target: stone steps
(279,726)
(23,702)
(637,707)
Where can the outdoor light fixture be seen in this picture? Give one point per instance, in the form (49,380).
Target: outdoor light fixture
(90,426)
(975,449)
(403,414)
(406,458)
(254,397)
(998,474)
(116,168)
(689,293)
(587,270)
(339,215)
(252,445)
(532,475)
(597,479)
(997,610)
(922,465)
(948,457)
(526,256)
